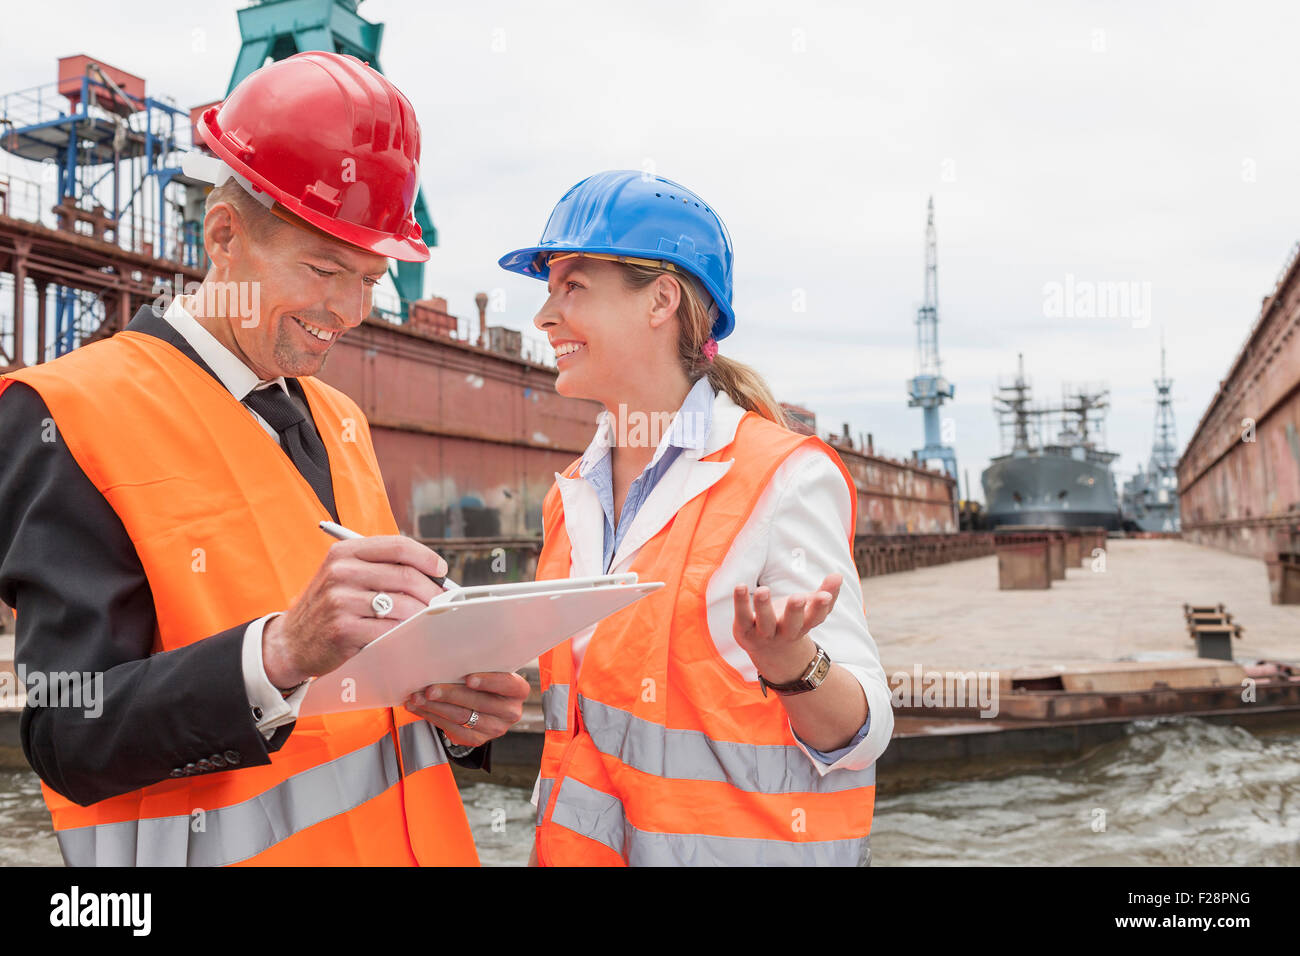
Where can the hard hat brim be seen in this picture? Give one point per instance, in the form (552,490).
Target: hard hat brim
(531,261)
(405,249)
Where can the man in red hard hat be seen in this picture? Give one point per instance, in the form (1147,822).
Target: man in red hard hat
(159,511)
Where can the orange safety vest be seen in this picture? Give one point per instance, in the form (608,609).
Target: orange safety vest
(662,754)
(226,530)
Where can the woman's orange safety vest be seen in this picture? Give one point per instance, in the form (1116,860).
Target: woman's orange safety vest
(662,754)
(226,529)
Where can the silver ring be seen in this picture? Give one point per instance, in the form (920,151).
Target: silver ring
(473,719)
(381,604)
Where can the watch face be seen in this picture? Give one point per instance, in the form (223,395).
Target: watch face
(823,668)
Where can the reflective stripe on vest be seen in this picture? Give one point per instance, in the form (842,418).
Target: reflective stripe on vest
(546,784)
(599,816)
(555,706)
(691,755)
(235,833)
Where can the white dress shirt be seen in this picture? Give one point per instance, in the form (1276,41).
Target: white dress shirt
(270,708)
(797,534)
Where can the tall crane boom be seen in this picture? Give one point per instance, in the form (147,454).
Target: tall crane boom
(927,317)
(928,390)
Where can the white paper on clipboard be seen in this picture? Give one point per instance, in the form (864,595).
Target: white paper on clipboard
(495,627)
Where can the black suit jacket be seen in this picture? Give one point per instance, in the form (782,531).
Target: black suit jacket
(84,604)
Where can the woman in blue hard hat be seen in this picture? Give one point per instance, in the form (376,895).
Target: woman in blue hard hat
(735,715)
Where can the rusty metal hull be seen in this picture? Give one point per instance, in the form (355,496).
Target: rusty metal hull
(897,497)
(1239,479)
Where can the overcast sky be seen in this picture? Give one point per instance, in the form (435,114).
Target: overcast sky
(1148,144)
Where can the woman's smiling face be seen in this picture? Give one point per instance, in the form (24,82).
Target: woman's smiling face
(597,326)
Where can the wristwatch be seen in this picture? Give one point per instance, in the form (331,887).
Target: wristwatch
(812,677)
(453,750)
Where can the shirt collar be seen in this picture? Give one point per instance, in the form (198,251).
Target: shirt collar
(689,428)
(237,377)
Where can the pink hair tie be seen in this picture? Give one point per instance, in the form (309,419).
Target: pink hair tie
(710,349)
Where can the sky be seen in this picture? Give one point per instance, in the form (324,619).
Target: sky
(1102,173)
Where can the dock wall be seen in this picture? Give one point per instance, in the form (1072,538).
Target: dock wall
(1239,479)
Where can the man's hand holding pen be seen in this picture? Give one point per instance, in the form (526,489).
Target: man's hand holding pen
(335,617)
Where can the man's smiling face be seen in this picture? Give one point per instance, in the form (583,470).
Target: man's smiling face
(308,288)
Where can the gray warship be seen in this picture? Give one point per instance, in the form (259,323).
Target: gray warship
(1063,480)
(1150,499)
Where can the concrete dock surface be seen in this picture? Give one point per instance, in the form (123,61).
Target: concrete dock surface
(952,616)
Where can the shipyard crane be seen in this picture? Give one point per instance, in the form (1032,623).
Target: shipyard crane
(929,389)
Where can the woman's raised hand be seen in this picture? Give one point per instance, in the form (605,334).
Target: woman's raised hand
(779,644)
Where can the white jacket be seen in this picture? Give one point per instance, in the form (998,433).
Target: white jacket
(797,534)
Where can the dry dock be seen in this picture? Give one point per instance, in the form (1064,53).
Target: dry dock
(954,616)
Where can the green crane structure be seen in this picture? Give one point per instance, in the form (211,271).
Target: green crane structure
(276,29)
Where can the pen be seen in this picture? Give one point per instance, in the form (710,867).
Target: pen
(344,534)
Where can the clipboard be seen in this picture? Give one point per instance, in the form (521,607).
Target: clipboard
(492,627)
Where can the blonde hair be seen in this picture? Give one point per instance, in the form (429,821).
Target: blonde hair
(742,384)
(260,221)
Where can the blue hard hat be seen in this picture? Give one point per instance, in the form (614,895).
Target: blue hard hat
(630,213)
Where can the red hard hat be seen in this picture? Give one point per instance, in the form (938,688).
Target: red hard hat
(333,142)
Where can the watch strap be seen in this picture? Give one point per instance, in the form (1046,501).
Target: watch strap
(812,677)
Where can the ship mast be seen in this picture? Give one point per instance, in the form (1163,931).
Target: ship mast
(1163,449)
(1082,402)
(1012,405)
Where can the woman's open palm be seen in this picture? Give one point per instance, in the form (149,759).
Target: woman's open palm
(764,633)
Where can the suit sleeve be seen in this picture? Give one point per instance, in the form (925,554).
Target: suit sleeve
(84,606)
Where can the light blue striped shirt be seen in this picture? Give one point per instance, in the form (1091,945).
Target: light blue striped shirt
(689,429)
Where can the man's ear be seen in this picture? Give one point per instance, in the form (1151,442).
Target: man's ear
(224,235)
(665,297)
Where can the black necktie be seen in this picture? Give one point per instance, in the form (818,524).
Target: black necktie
(298,438)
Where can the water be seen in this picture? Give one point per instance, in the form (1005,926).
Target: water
(25,835)
(1172,792)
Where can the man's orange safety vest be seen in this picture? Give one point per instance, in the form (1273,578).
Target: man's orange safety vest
(226,529)
(662,754)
